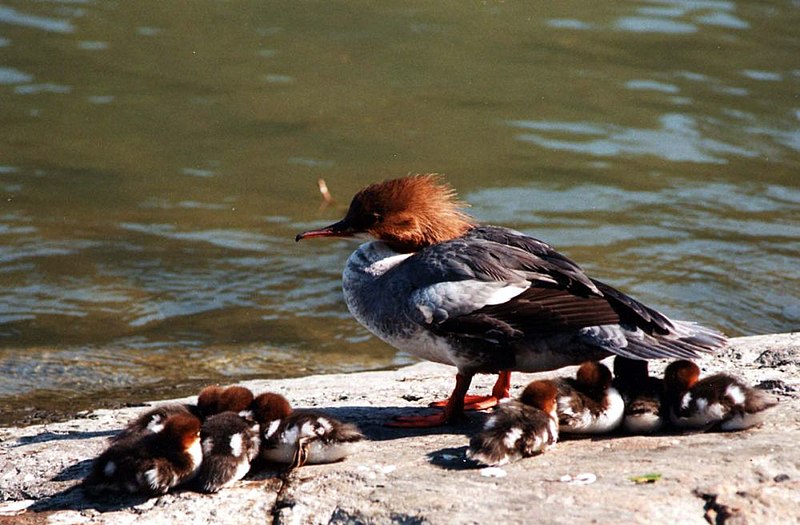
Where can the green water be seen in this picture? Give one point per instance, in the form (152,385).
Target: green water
(158,157)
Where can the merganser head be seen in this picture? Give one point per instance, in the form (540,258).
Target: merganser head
(680,376)
(408,213)
(181,430)
(595,377)
(268,407)
(540,394)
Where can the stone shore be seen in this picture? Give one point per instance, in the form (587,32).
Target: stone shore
(421,476)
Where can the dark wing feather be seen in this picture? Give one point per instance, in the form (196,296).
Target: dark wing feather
(633,312)
(561,268)
(535,311)
(557,298)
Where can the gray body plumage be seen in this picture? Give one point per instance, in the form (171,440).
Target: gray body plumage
(495,299)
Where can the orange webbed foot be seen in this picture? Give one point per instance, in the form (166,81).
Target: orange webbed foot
(471,402)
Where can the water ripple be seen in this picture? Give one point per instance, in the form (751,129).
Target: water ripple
(678,139)
(11,16)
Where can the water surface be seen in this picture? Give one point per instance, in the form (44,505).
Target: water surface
(157,159)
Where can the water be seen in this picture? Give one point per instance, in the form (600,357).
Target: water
(157,159)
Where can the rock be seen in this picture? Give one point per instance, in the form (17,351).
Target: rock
(422,476)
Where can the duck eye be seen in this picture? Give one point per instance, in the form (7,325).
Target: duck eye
(377,218)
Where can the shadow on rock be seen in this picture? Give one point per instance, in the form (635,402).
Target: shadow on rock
(372,421)
(78,498)
(77,470)
(60,436)
(452,458)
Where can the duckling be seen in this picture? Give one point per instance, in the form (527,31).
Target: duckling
(642,395)
(518,428)
(230,443)
(588,404)
(150,463)
(297,437)
(717,402)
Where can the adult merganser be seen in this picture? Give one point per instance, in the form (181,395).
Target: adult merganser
(297,437)
(642,395)
(518,430)
(151,463)
(483,298)
(588,404)
(719,401)
(230,443)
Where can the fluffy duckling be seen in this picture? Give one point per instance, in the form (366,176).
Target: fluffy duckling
(589,404)
(518,429)
(151,463)
(717,402)
(297,437)
(642,395)
(229,443)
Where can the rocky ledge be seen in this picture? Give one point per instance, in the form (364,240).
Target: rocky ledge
(414,477)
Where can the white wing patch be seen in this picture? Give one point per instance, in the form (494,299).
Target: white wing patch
(273,426)
(156,424)
(151,478)
(236,444)
(505,294)
(687,398)
(442,300)
(512,437)
(736,394)
(325,426)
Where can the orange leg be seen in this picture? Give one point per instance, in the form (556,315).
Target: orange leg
(500,390)
(453,411)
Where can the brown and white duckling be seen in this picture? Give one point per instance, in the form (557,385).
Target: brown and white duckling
(215,399)
(152,421)
(588,404)
(151,463)
(230,443)
(717,402)
(518,428)
(642,395)
(298,437)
